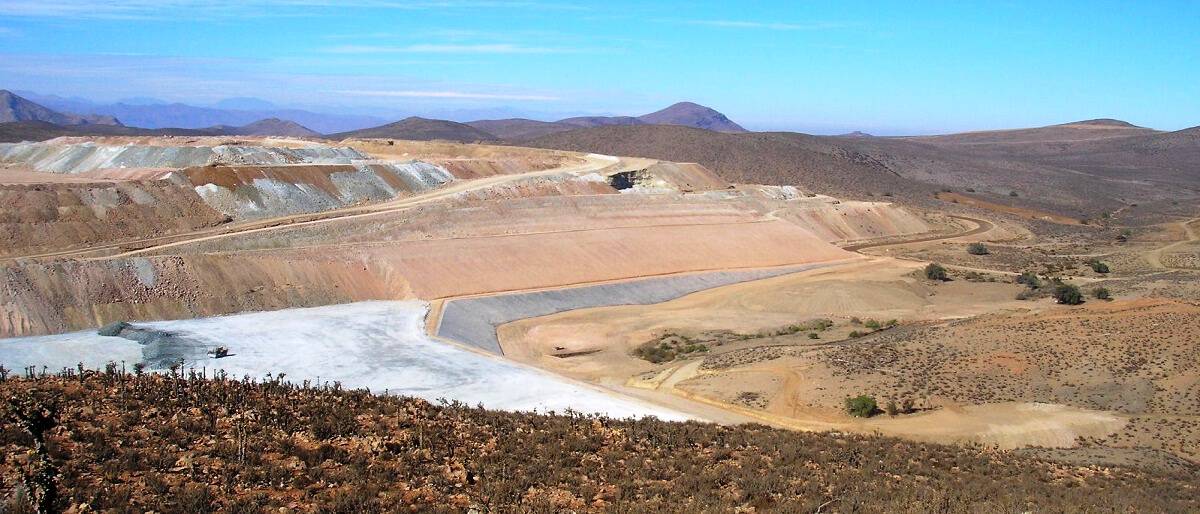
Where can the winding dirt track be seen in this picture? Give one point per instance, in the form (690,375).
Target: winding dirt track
(1154,257)
(592,164)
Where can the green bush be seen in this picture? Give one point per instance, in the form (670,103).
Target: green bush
(872,324)
(1097,266)
(1068,294)
(1030,279)
(935,271)
(1101,293)
(861,406)
(977,249)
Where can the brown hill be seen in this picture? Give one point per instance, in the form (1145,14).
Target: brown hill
(353,451)
(266,127)
(689,114)
(421,129)
(811,162)
(1068,132)
(14,108)
(1078,177)
(520,128)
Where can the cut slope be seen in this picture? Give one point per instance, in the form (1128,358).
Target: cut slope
(421,129)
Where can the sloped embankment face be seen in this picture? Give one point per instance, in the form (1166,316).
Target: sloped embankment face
(37,298)
(854,221)
(47,217)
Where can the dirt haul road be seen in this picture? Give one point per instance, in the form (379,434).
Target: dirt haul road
(593,163)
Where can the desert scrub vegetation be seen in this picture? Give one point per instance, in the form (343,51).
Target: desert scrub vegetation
(1067,294)
(812,325)
(186,443)
(668,347)
(861,406)
(935,271)
(1098,266)
(977,249)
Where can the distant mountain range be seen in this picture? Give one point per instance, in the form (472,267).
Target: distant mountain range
(15,108)
(235,112)
(22,120)
(686,114)
(253,116)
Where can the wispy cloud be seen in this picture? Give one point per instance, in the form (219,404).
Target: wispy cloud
(767,25)
(496,48)
(151,9)
(450,95)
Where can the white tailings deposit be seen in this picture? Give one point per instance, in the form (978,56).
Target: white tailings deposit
(376,345)
(473,321)
(54,157)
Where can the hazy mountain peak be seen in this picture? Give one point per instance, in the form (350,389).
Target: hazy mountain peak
(16,108)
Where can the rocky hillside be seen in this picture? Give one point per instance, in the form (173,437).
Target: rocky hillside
(813,163)
(120,440)
(1080,170)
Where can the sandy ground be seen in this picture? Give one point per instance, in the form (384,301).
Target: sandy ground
(595,345)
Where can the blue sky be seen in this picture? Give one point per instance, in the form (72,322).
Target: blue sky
(887,67)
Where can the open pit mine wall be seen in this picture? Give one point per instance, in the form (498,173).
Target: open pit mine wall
(39,298)
(51,157)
